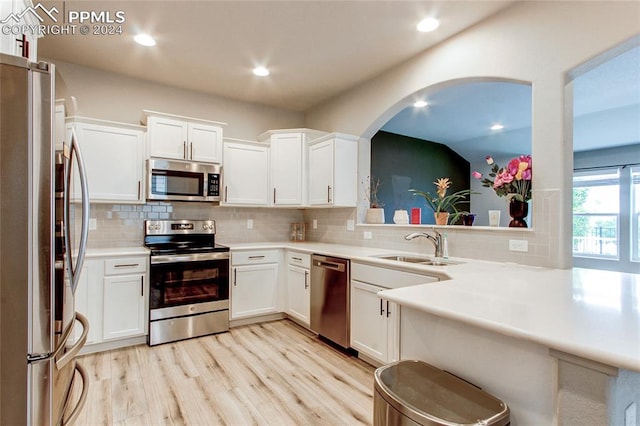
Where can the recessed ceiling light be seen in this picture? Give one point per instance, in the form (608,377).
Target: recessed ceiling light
(145,40)
(261,71)
(428,24)
(497,126)
(420,104)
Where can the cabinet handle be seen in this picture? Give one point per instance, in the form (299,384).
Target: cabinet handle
(184,149)
(235,276)
(256,257)
(142,286)
(274,195)
(139,186)
(306,281)
(388,313)
(126,265)
(225,193)
(191,149)
(328,193)
(381,309)
(299,259)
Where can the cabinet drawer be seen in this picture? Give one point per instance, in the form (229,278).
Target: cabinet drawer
(388,278)
(299,259)
(125,265)
(254,257)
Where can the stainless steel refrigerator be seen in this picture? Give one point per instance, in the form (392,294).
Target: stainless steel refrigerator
(39,261)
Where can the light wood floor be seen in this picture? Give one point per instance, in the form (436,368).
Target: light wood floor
(273,373)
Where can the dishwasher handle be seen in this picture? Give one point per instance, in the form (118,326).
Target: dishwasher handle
(327,264)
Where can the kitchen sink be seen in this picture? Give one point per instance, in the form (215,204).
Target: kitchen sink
(418,259)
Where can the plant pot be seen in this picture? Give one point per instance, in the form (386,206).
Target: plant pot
(374,215)
(442,218)
(518,210)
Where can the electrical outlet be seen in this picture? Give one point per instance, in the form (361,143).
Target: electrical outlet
(518,245)
(367,235)
(315,223)
(630,415)
(351,225)
(249,223)
(93,224)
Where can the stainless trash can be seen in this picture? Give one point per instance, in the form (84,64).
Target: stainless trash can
(416,393)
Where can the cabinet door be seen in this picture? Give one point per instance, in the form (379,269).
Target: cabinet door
(298,293)
(369,323)
(321,173)
(205,143)
(167,138)
(88,300)
(246,174)
(114,162)
(124,307)
(287,169)
(254,290)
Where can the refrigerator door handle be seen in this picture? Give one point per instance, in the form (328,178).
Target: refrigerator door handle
(70,354)
(71,418)
(74,273)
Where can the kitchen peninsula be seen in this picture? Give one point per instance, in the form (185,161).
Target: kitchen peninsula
(555,345)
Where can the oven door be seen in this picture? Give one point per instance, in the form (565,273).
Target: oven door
(188,284)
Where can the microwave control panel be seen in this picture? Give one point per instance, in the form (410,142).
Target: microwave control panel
(214,185)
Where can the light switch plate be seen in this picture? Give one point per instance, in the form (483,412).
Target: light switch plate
(367,235)
(93,224)
(519,245)
(315,223)
(351,225)
(249,223)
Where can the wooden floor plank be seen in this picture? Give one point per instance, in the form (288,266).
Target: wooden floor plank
(274,373)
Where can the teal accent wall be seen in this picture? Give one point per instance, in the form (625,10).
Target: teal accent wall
(402,163)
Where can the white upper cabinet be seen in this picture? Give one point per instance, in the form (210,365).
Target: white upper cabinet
(113,154)
(11,43)
(288,165)
(183,138)
(333,170)
(246,173)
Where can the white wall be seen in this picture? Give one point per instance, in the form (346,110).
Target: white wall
(115,97)
(537,42)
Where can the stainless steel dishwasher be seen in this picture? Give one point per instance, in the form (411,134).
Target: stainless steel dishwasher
(330,298)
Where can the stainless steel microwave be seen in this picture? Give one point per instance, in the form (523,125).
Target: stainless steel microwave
(176,180)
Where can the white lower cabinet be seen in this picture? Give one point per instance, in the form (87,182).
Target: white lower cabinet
(254,283)
(375,323)
(298,286)
(113,294)
(123,307)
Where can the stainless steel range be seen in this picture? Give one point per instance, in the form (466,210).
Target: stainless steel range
(189,288)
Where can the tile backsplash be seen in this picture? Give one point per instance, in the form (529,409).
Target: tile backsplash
(119,225)
(122,225)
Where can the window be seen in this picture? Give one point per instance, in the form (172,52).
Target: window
(596,207)
(635,213)
(606,218)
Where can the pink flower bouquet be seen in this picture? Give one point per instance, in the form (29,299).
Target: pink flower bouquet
(512,181)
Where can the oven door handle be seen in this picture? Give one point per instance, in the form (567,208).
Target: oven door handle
(195,257)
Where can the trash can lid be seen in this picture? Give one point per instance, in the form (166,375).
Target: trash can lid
(424,392)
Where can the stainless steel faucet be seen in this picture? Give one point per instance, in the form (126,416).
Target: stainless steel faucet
(436,240)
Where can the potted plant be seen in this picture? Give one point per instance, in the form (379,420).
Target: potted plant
(375,212)
(445,207)
(513,182)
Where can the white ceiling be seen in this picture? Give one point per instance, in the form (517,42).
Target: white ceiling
(314,49)
(318,49)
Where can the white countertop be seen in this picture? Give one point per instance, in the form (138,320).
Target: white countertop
(117,251)
(589,313)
